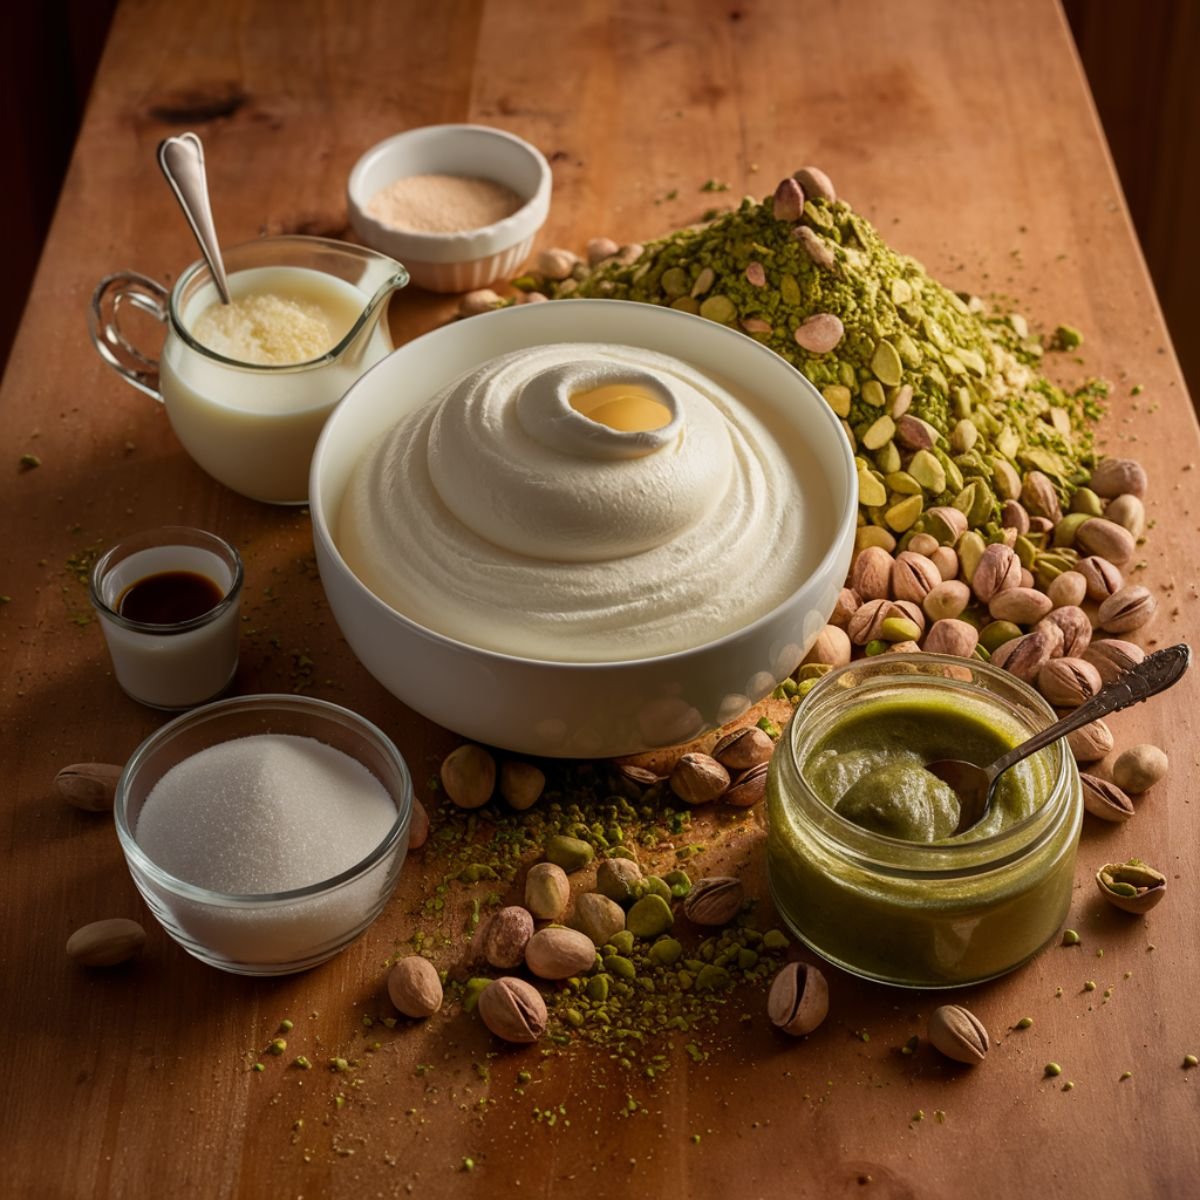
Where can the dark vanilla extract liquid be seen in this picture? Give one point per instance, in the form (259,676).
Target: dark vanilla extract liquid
(169,597)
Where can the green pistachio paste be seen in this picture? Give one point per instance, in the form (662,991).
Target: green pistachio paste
(918,906)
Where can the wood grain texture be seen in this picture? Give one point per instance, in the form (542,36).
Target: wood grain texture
(964,130)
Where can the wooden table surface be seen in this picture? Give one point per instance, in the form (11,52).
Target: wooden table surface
(964,129)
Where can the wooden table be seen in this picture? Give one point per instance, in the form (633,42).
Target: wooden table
(965,131)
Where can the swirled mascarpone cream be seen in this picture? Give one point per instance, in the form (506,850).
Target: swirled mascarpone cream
(502,516)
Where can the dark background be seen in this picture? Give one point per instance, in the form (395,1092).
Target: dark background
(1139,59)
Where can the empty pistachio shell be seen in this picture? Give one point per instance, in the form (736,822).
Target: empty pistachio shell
(959,1034)
(1105,800)
(799,999)
(106,943)
(1131,886)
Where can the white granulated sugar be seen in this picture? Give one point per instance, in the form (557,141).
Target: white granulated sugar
(259,814)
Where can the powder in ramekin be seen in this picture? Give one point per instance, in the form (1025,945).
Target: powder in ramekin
(443,203)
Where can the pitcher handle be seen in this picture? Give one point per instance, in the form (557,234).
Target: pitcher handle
(113,291)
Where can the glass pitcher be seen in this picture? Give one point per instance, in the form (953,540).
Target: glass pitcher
(251,426)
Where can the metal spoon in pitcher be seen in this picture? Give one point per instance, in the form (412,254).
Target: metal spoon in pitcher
(975,786)
(182,161)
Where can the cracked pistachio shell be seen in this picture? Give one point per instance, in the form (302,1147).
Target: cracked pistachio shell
(749,746)
(714,901)
(616,877)
(799,999)
(1131,886)
(1105,800)
(513,1010)
(749,787)
(958,1034)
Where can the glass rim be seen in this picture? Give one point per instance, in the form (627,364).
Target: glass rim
(932,858)
(398,279)
(104,563)
(250,900)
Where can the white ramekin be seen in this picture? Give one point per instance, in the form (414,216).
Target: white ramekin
(454,262)
(582,710)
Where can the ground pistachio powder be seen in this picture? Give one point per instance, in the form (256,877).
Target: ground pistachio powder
(942,401)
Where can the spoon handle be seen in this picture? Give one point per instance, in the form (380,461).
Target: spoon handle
(1155,674)
(182,161)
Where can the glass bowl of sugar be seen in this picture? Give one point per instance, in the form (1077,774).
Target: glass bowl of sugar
(265,832)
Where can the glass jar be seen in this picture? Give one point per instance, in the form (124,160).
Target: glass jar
(928,915)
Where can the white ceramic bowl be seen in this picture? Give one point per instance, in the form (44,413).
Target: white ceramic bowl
(454,262)
(581,709)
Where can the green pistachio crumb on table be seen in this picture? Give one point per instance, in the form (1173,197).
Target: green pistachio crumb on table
(1124,1076)
(1190,1060)
(1051,1070)
(1070,938)
(1090,986)
(29,461)
(1024,1023)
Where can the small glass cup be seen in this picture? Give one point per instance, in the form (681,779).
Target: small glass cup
(172,666)
(269,933)
(923,915)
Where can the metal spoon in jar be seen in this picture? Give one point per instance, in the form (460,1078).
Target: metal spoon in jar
(975,786)
(182,161)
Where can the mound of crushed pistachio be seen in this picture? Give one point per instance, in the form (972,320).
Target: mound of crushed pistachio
(942,400)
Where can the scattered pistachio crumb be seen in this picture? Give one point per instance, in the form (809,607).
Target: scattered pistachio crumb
(1190,1060)
(695,1139)
(1052,1069)
(1090,986)
(278,1046)
(1024,1023)
(1070,937)
(258,1067)
(29,461)
(468,1164)
(303,1062)
(1124,1076)
(286,1025)
(1069,1086)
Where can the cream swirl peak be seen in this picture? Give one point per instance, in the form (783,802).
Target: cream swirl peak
(503,515)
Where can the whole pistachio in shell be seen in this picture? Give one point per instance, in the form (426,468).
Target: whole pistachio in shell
(615,878)
(1131,886)
(513,1010)
(913,577)
(998,570)
(871,573)
(799,999)
(559,953)
(415,987)
(1113,657)
(748,788)
(714,901)
(1101,578)
(1127,609)
(1139,768)
(598,917)
(749,746)
(1091,743)
(1105,800)
(521,783)
(547,891)
(952,637)
(959,1034)
(1075,626)
(469,775)
(1068,682)
(832,646)
(698,778)
(90,786)
(506,936)
(106,943)
(1116,476)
